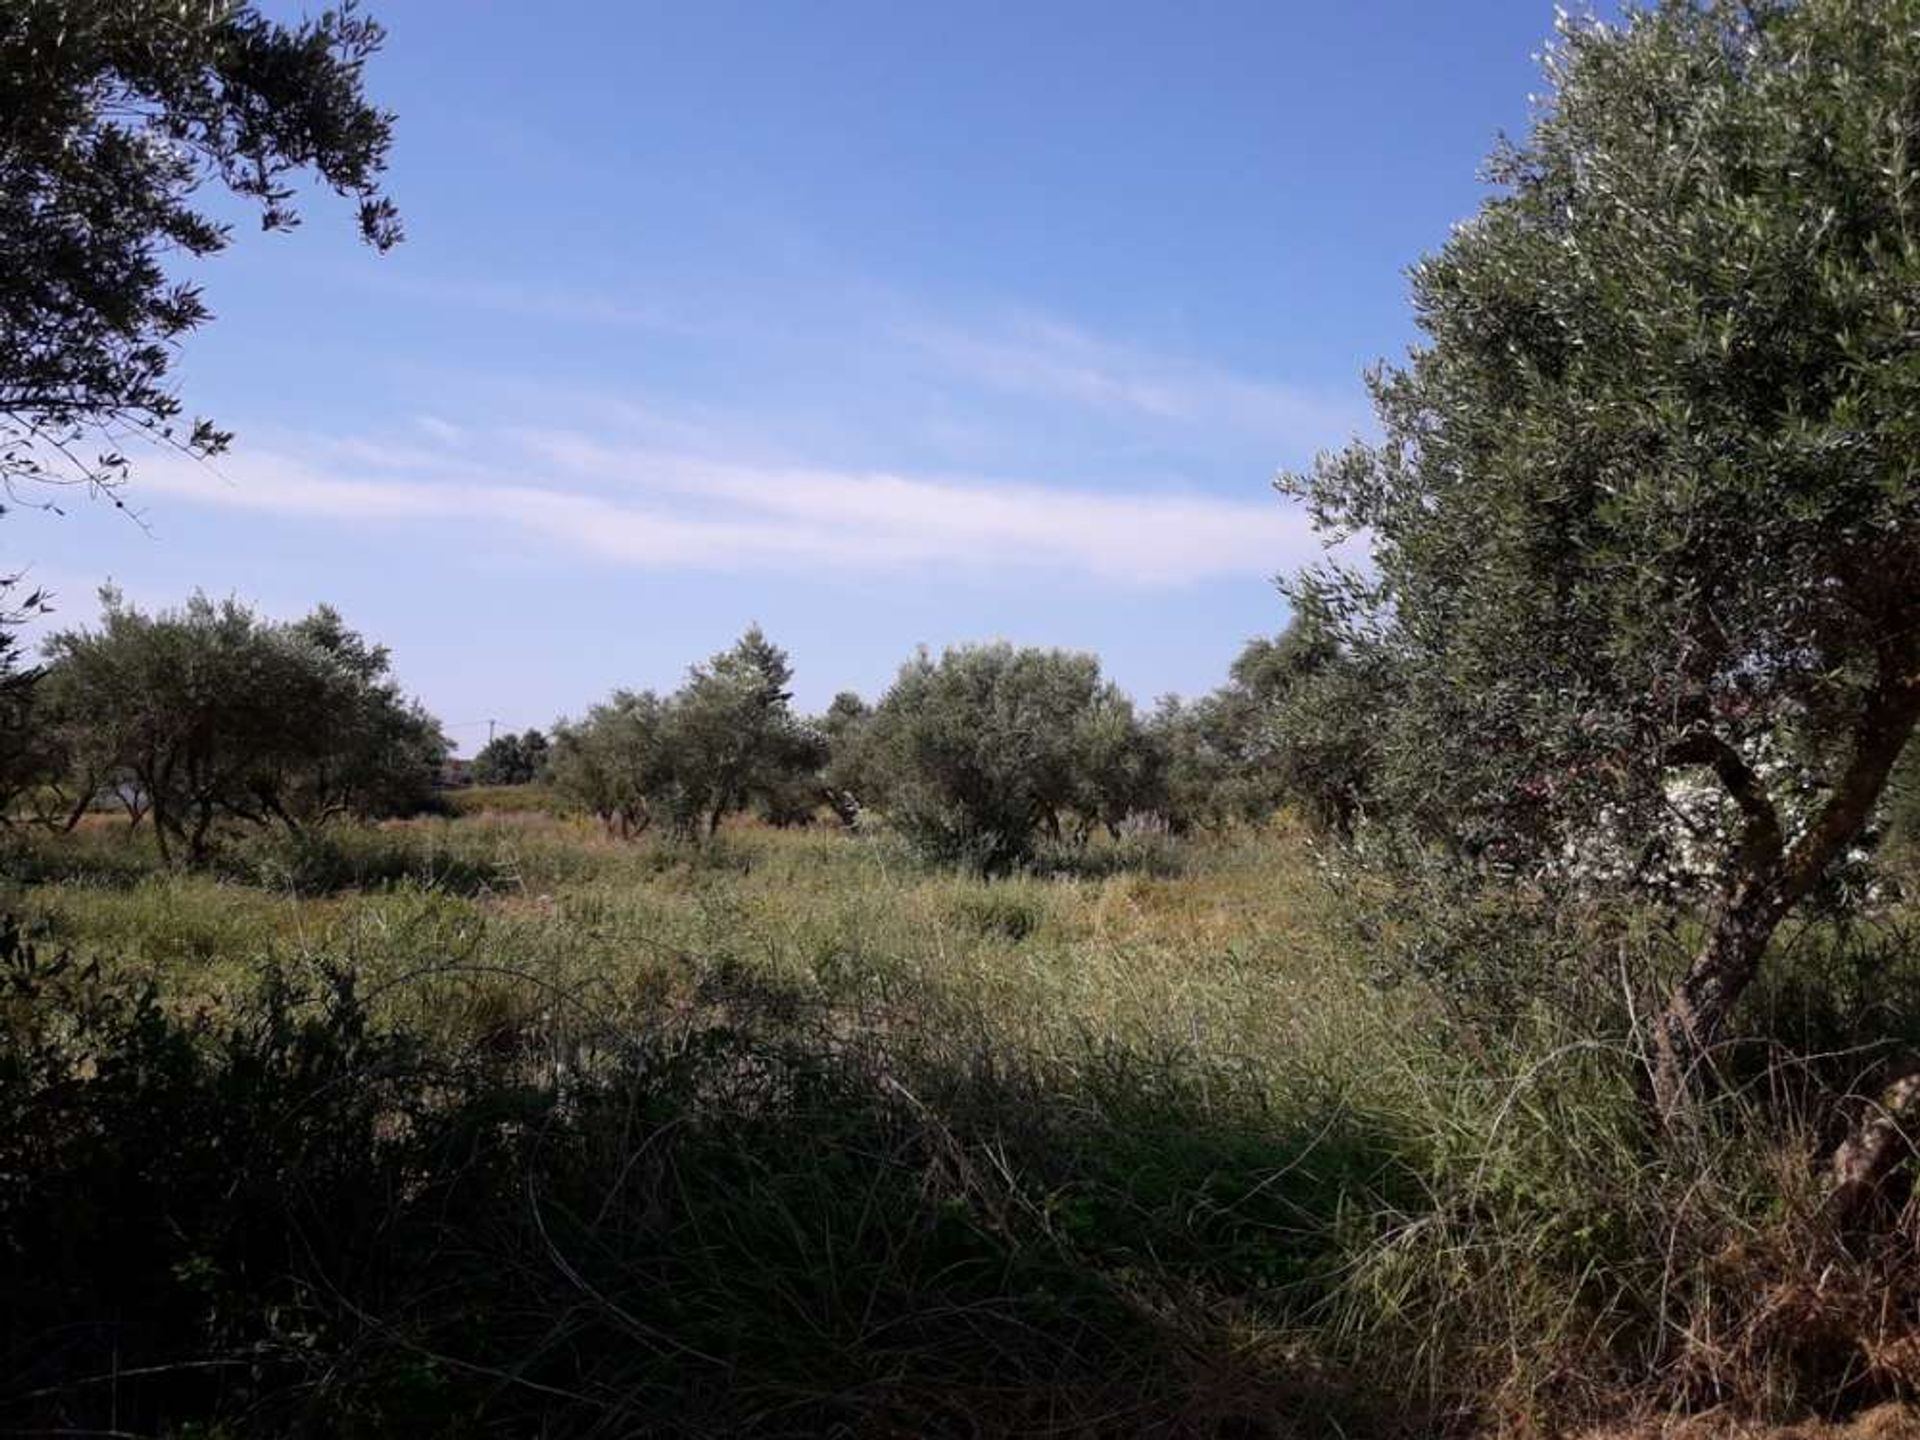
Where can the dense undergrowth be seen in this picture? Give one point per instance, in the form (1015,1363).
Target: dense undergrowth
(496,1126)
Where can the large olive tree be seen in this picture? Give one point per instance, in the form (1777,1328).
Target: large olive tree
(1645,506)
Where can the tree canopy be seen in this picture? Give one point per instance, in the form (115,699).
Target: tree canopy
(1645,503)
(980,753)
(119,117)
(512,759)
(210,713)
(725,740)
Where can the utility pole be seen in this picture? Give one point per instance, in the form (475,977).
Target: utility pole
(490,725)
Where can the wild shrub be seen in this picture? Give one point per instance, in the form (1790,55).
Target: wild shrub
(330,859)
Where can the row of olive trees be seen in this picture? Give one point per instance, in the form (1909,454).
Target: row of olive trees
(211,714)
(981,755)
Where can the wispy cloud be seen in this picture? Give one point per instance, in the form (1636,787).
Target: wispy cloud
(1046,359)
(665,511)
(899,352)
(549,304)
(833,462)
(440,430)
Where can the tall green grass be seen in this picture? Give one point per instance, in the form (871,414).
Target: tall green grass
(499,1125)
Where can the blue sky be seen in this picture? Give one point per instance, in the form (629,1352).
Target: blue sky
(878,324)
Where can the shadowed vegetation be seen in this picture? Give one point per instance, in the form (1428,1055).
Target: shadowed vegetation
(790,1132)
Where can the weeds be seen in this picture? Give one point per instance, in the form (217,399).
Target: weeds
(790,1135)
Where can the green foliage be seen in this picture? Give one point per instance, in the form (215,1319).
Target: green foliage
(846,777)
(725,740)
(839,1135)
(512,760)
(308,1216)
(734,737)
(1903,809)
(613,764)
(343,858)
(1644,517)
(1645,499)
(210,713)
(1292,726)
(975,757)
(119,118)
(25,761)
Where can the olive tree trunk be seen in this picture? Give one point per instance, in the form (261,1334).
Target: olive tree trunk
(1768,878)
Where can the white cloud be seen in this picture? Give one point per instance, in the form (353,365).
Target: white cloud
(668,511)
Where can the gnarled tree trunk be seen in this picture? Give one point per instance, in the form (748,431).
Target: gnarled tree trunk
(1722,968)
(1770,877)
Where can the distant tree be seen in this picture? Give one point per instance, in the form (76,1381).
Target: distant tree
(846,783)
(1319,703)
(614,763)
(512,759)
(1196,762)
(978,755)
(791,789)
(119,117)
(1645,505)
(368,749)
(1118,769)
(210,713)
(1290,728)
(725,740)
(734,736)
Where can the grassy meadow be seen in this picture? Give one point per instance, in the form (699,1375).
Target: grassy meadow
(493,1124)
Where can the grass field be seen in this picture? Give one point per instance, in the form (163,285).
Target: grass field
(493,1124)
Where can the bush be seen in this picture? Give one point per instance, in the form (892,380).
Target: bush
(333,858)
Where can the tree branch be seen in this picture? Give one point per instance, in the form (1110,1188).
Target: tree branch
(1762,841)
(1886,724)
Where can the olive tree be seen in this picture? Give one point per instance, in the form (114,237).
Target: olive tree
(1644,505)
(613,762)
(1292,727)
(845,778)
(725,740)
(733,734)
(511,759)
(210,713)
(1118,768)
(120,120)
(976,756)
